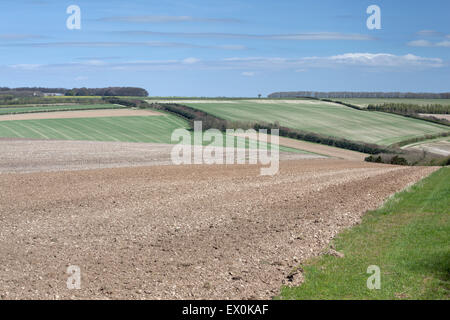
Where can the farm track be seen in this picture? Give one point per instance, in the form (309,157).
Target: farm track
(170,232)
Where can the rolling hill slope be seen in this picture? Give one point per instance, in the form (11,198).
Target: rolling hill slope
(323,118)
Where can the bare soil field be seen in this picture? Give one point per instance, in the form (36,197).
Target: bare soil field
(26,155)
(318,148)
(80,114)
(196,232)
(437,147)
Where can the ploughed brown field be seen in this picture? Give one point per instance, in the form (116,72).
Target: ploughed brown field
(164,231)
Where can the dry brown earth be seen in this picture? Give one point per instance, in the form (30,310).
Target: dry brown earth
(173,232)
(25,155)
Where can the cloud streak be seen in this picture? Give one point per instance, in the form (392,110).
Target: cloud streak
(165,19)
(13,36)
(314,36)
(112,44)
(384,61)
(429,44)
(429,33)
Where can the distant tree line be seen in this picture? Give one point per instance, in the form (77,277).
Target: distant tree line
(23,101)
(411,108)
(345,94)
(110,91)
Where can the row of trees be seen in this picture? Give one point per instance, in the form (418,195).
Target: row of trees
(411,108)
(33,89)
(110,91)
(345,94)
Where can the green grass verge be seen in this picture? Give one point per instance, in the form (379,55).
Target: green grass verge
(327,119)
(49,108)
(408,238)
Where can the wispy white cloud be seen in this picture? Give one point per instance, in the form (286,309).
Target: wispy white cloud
(165,19)
(25,66)
(426,43)
(314,36)
(386,60)
(377,61)
(190,60)
(322,36)
(445,43)
(113,44)
(420,43)
(429,33)
(13,36)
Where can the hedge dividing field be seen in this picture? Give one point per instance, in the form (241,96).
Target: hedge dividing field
(325,118)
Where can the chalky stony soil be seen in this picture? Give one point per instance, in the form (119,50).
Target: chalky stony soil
(171,232)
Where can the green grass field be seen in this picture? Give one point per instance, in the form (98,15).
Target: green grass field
(408,239)
(364,102)
(325,118)
(157,129)
(49,108)
(150,129)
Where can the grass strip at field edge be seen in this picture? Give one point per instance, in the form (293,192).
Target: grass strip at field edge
(408,238)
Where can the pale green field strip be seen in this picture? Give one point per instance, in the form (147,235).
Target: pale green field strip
(364,102)
(31,109)
(154,129)
(149,129)
(327,119)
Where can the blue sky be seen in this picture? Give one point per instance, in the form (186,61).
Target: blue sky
(227,48)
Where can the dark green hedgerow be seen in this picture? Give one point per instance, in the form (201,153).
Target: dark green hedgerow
(408,108)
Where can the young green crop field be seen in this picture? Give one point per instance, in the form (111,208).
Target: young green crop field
(325,118)
(364,102)
(157,129)
(408,239)
(49,108)
(150,129)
